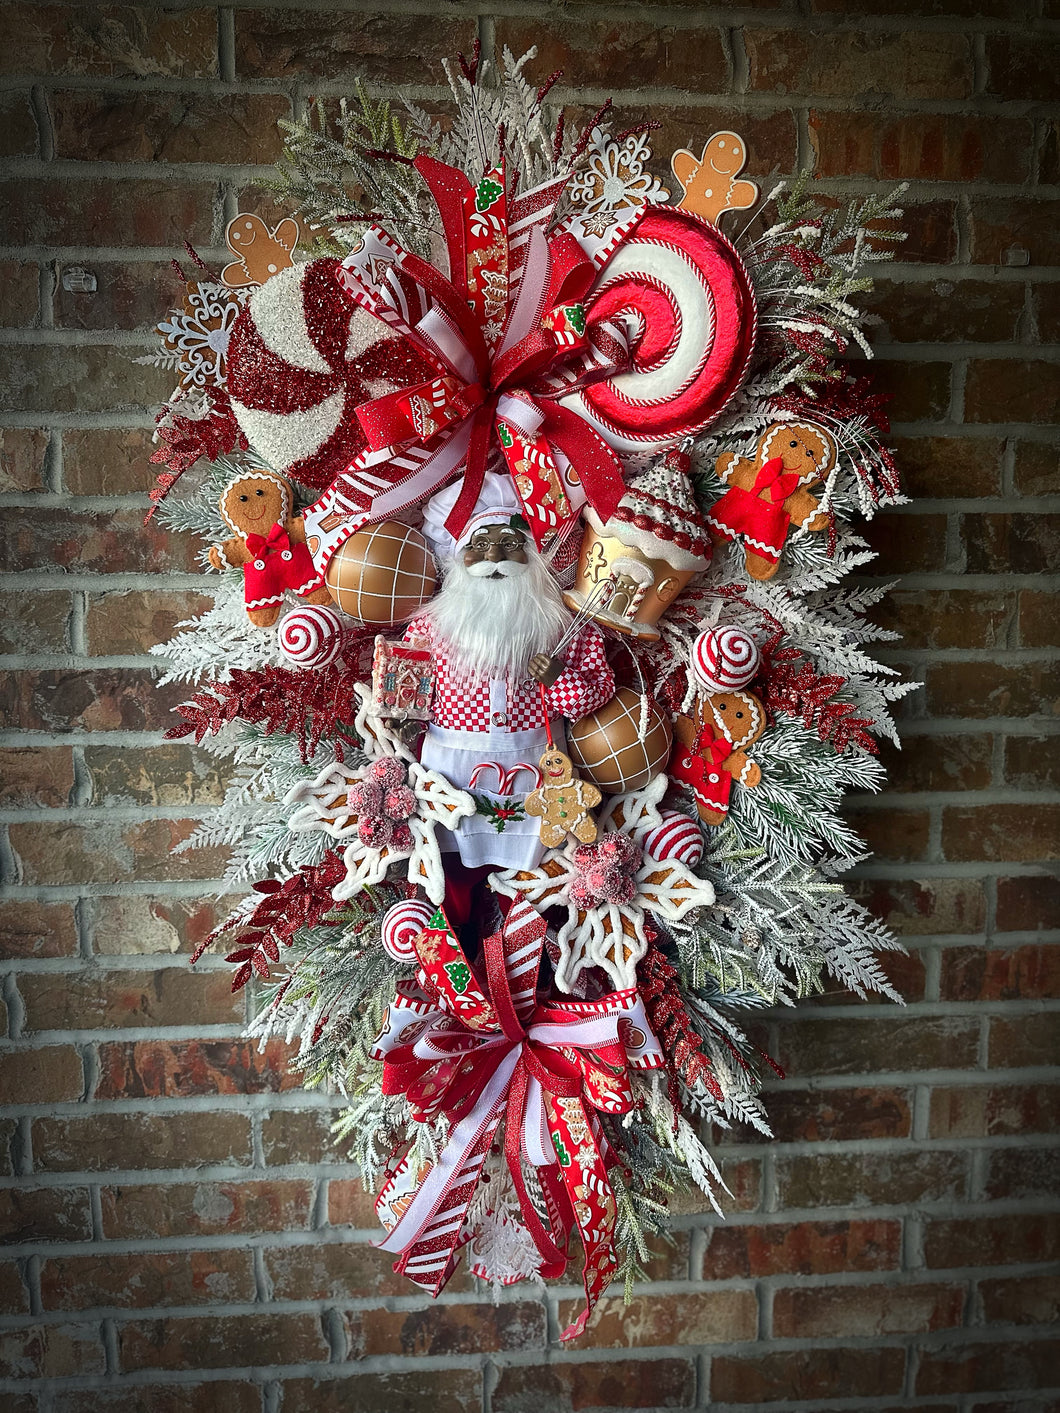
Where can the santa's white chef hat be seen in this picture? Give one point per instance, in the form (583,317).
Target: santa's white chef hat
(497,505)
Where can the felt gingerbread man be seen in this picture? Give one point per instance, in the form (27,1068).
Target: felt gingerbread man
(562,801)
(268,543)
(769,493)
(710,750)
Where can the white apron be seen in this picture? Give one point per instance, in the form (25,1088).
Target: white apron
(499,769)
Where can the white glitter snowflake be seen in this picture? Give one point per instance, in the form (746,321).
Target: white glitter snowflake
(611,936)
(614,176)
(198,333)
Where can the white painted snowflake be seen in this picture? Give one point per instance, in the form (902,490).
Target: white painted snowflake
(324,804)
(614,175)
(198,333)
(611,936)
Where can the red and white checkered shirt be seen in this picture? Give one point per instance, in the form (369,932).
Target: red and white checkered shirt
(500,704)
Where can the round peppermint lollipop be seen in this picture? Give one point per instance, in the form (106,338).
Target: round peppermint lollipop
(697,313)
(311,636)
(402,924)
(725,659)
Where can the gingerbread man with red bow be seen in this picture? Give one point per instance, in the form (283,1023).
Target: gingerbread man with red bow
(769,494)
(710,750)
(268,543)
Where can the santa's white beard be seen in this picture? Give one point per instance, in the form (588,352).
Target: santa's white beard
(493,624)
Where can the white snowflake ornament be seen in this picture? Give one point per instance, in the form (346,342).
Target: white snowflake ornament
(614,178)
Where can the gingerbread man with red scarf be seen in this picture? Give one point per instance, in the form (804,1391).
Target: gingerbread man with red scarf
(769,494)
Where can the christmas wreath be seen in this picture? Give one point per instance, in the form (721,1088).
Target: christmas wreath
(537,792)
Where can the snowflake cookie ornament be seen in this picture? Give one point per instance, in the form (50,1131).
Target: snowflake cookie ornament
(614,178)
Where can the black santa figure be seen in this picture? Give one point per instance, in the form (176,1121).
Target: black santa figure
(492,629)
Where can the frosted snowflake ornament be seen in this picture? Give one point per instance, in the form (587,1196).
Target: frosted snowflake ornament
(614,178)
(198,333)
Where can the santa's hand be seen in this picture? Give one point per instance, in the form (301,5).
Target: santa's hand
(544,669)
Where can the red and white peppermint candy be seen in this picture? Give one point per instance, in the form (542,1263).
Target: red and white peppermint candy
(402,924)
(311,636)
(678,838)
(693,298)
(725,659)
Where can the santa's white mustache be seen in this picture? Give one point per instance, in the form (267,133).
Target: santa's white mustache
(502,568)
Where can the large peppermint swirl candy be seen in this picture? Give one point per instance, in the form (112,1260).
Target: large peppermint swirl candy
(311,636)
(402,924)
(678,838)
(725,659)
(696,306)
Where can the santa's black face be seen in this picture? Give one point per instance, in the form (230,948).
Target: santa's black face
(492,550)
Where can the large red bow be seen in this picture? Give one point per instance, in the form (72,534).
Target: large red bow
(502,331)
(483,1052)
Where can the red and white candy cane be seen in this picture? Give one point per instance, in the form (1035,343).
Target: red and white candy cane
(687,287)
(505,778)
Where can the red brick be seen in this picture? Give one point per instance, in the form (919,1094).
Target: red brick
(86,378)
(19,279)
(949,466)
(991,1241)
(869,1179)
(51,1352)
(213,1397)
(618,1383)
(820,1115)
(1021,1172)
(138,926)
(105,542)
(805,1248)
(34,623)
(855,62)
(160,775)
(1024,1040)
(1021,1300)
(205,1209)
(924,907)
(1012,390)
(341,1271)
(22,454)
(298,1136)
(237,1341)
(1036,468)
(50,1075)
(171,127)
(36,777)
(107,699)
(135,621)
(948,618)
(102,998)
(771,139)
(1017,544)
(842,1046)
(140,1279)
(108,853)
(683,1318)
(907,544)
(987,1111)
(1019,68)
(128,295)
(974,1368)
(107,461)
(920,146)
(1032,762)
(892,834)
(985,688)
(865,1311)
(391,47)
(1013,231)
(446,1329)
(1027,903)
(101,211)
(116,40)
(806,1374)
(45,1214)
(442,1391)
(930,229)
(616,53)
(8,1129)
(349,1205)
(995,974)
(154,1069)
(105,1142)
(32,929)
(938,763)
(919,392)
(14,1297)
(1039,619)
(1003,832)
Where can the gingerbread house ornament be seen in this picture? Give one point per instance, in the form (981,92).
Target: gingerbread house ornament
(633,566)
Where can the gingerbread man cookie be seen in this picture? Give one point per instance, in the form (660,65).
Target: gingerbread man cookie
(710,750)
(709,182)
(268,543)
(768,493)
(260,253)
(563,802)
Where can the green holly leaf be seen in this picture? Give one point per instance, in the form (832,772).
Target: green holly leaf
(459,974)
(486,193)
(561,1152)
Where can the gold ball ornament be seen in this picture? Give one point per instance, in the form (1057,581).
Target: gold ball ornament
(382,575)
(608,748)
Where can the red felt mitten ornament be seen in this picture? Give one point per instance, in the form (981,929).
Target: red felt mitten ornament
(769,493)
(710,750)
(268,543)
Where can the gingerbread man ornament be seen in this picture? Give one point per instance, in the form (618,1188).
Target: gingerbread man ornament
(260,253)
(710,750)
(768,494)
(710,182)
(268,543)
(562,801)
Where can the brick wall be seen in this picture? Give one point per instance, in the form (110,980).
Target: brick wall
(182,1238)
